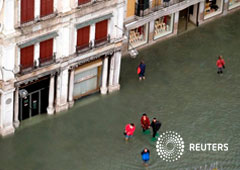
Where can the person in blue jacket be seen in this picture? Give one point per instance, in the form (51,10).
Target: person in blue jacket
(141,70)
(145,156)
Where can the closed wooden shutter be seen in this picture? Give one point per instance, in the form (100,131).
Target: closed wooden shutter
(156,3)
(46,7)
(101,30)
(46,50)
(27,10)
(83,36)
(131,8)
(27,56)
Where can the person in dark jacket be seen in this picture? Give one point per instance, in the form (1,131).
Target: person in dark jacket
(145,122)
(145,156)
(141,70)
(155,126)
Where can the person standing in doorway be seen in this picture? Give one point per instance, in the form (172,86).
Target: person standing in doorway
(220,64)
(129,131)
(145,122)
(141,70)
(155,126)
(145,156)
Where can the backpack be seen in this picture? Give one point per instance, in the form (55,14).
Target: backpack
(138,70)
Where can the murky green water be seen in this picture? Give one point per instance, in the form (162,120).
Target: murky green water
(182,89)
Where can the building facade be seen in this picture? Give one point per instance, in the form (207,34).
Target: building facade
(56,51)
(147,21)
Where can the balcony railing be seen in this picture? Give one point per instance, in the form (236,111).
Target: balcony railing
(143,9)
(27,67)
(97,43)
(84,48)
(42,62)
(167,3)
(102,41)
(47,60)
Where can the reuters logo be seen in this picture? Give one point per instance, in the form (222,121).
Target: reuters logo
(170,146)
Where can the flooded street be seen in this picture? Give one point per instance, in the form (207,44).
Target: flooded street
(182,89)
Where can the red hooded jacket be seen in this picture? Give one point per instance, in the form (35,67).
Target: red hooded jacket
(220,63)
(129,129)
(145,123)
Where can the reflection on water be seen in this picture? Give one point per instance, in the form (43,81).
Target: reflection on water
(212,166)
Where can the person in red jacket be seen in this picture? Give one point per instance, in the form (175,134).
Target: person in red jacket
(129,131)
(220,64)
(145,122)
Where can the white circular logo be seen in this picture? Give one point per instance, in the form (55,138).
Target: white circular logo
(170,146)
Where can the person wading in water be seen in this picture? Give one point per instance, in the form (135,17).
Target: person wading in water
(141,70)
(129,130)
(220,64)
(155,126)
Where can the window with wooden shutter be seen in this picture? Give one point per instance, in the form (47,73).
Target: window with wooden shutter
(80,2)
(46,7)
(27,10)
(83,37)
(27,57)
(101,31)
(46,51)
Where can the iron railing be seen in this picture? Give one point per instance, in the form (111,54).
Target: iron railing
(47,60)
(167,3)
(102,41)
(27,67)
(143,9)
(84,47)
(97,43)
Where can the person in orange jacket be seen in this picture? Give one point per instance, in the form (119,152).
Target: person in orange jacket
(129,131)
(220,64)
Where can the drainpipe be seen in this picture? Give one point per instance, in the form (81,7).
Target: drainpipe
(197,14)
